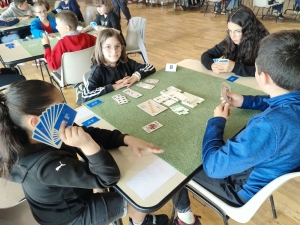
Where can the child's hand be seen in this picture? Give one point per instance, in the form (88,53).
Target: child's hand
(122,80)
(29,12)
(215,68)
(236,99)
(45,40)
(130,81)
(138,145)
(225,66)
(117,86)
(222,110)
(77,137)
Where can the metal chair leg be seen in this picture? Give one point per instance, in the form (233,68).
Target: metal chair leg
(273,207)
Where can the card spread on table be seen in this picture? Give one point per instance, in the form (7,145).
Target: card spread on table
(144,85)
(151,107)
(152,81)
(94,103)
(179,109)
(161,99)
(152,126)
(232,78)
(90,121)
(132,93)
(46,131)
(225,88)
(120,99)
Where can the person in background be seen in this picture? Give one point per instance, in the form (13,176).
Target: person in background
(277,9)
(121,5)
(70,5)
(105,18)
(243,34)
(225,5)
(22,11)
(111,68)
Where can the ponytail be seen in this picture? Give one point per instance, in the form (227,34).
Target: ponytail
(23,98)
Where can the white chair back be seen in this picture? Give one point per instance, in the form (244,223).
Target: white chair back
(135,37)
(85,77)
(244,213)
(17,214)
(261,3)
(56,4)
(90,15)
(74,64)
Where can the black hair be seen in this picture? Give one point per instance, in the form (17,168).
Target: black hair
(279,56)
(252,32)
(30,97)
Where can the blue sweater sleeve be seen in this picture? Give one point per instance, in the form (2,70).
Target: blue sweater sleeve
(9,23)
(250,147)
(37,30)
(255,102)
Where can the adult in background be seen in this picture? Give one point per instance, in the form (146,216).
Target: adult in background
(121,5)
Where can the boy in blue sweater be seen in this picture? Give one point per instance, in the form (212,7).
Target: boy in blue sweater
(268,147)
(43,22)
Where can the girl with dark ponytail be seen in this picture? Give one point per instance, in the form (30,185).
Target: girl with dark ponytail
(58,186)
(243,34)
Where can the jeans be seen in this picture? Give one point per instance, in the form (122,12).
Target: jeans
(218,5)
(277,7)
(234,4)
(102,209)
(9,38)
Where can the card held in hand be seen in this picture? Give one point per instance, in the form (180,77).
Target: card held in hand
(46,131)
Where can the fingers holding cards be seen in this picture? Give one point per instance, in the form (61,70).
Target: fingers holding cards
(225,89)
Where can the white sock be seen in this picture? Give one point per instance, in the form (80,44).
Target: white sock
(187,217)
(137,223)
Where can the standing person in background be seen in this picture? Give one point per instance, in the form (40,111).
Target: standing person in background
(105,18)
(277,10)
(244,33)
(70,5)
(121,5)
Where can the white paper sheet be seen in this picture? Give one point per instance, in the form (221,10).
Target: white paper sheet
(150,179)
(83,112)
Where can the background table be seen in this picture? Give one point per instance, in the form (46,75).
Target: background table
(23,24)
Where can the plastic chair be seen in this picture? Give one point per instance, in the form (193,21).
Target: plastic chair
(244,213)
(135,37)
(56,4)
(7,79)
(264,4)
(207,3)
(18,214)
(89,15)
(85,77)
(73,65)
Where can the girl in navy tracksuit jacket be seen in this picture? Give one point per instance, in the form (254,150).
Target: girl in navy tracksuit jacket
(112,69)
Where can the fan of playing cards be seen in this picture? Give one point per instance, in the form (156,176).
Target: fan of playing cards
(46,131)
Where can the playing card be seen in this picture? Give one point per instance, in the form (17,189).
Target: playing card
(151,107)
(220,60)
(132,93)
(152,81)
(179,109)
(120,99)
(225,88)
(94,103)
(46,131)
(152,126)
(169,102)
(161,99)
(144,85)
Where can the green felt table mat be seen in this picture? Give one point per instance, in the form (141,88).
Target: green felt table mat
(181,135)
(24,23)
(34,46)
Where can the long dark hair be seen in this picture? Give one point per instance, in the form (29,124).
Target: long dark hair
(252,32)
(23,98)
(97,56)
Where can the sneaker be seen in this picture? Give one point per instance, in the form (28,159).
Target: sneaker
(223,12)
(153,219)
(177,221)
(182,7)
(36,63)
(216,10)
(281,17)
(130,2)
